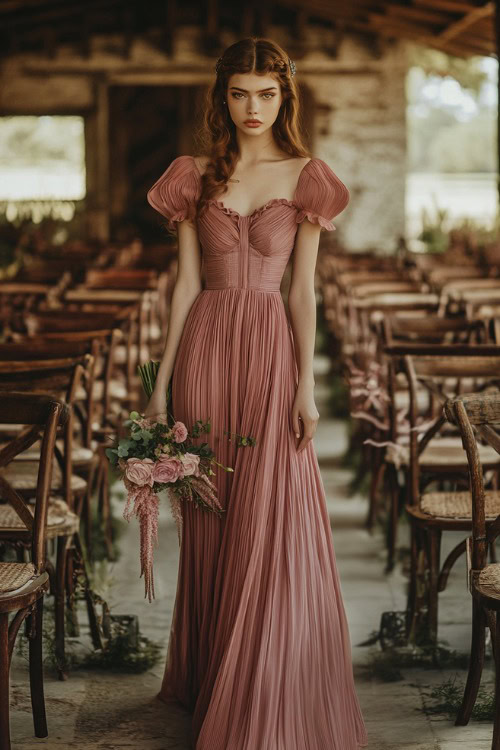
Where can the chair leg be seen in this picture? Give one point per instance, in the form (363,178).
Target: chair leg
(4,682)
(434,540)
(412,586)
(377,478)
(493,551)
(476,661)
(94,475)
(59,608)
(495,745)
(393,518)
(34,626)
(105,508)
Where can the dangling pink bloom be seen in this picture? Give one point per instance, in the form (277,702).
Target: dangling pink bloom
(146,509)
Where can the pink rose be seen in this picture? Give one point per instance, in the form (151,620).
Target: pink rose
(140,471)
(190,462)
(179,432)
(167,469)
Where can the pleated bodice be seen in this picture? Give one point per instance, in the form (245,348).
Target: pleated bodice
(248,252)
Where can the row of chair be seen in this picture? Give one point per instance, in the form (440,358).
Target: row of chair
(408,351)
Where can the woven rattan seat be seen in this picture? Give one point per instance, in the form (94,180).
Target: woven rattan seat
(458,504)
(117,389)
(60,519)
(79,454)
(22,475)
(490,575)
(14,575)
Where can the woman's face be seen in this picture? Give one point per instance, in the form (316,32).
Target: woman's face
(253,97)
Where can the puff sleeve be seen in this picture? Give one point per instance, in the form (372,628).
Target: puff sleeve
(321,195)
(175,193)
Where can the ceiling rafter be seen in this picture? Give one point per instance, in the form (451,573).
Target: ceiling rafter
(463,27)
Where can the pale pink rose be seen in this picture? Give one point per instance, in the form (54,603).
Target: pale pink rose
(167,469)
(179,432)
(190,462)
(140,471)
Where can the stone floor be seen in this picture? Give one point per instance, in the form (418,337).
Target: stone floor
(104,711)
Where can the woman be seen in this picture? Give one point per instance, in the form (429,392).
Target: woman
(259,648)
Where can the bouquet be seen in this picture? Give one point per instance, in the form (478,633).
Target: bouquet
(159,454)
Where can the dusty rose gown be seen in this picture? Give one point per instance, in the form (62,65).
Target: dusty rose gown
(259,648)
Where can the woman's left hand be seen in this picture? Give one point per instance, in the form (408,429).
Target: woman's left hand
(305,408)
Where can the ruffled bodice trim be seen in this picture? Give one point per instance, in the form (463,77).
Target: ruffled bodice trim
(257,212)
(315,219)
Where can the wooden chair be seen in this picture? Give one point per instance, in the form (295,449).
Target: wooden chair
(442,370)
(397,330)
(23,584)
(56,377)
(91,407)
(478,411)
(133,307)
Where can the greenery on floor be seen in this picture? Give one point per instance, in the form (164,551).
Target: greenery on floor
(448,696)
(125,649)
(386,664)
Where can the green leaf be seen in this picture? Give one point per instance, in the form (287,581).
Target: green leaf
(112,454)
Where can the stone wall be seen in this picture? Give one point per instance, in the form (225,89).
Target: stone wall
(357,122)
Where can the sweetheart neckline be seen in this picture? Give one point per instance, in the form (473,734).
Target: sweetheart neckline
(232,211)
(284,201)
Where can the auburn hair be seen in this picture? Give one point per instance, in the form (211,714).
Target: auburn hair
(217,138)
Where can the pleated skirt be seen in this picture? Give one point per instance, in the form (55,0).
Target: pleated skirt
(259,648)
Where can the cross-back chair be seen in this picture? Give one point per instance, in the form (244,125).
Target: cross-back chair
(478,415)
(444,371)
(23,584)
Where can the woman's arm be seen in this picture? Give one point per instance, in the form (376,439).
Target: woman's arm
(187,287)
(302,306)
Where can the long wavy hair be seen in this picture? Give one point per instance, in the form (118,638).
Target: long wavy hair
(217,139)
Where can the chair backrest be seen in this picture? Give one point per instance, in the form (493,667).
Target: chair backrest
(425,329)
(442,370)
(480,411)
(60,378)
(44,414)
(68,321)
(112,278)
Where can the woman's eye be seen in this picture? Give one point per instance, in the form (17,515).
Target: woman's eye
(237,94)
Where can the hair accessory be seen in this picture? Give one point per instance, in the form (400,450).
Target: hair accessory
(218,64)
(293,67)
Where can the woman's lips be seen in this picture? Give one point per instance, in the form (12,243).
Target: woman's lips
(252,123)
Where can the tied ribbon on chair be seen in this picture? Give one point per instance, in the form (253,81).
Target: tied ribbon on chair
(367,390)
(145,508)
(369,387)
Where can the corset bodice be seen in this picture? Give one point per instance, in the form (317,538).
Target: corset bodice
(251,251)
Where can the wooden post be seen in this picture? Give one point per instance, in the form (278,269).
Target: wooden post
(97,163)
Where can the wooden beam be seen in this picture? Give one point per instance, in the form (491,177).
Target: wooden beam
(453,6)
(170,25)
(460,48)
(418,14)
(458,27)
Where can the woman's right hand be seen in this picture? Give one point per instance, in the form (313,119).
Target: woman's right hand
(157,404)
